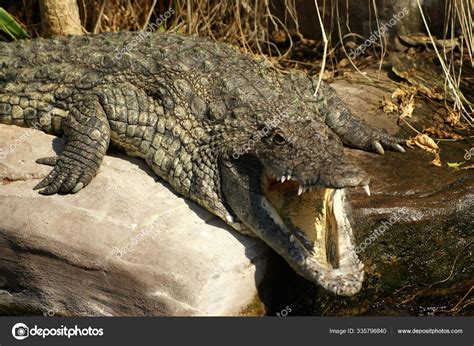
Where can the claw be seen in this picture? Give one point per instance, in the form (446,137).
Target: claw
(399,148)
(78,187)
(378,147)
(46,181)
(47,192)
(49,161)
(51,189)
(40,185)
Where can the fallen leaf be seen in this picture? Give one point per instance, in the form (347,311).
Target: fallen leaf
(398,93)
(407,107)
(428,144)
(328,75)
(455,164)
(471,166)
(411,51)
(447,44)
(437,160)
(453,118)
(431,93)
(415,39)
(280,36)
(351,44)
(388,105)
(440,133)
(405,99)
(344,62)
(424,142)
(423,40)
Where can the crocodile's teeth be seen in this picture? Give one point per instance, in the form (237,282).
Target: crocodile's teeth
(283,178)
(300,190)
(288,177)
(367,190)
(292,238)
(237,226)
(229,219)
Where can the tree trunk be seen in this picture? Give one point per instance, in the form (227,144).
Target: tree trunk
(60,17)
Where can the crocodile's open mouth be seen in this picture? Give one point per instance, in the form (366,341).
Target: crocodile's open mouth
(308,225)
(318,219)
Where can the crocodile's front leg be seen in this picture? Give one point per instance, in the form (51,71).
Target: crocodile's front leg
(352,131)
(87,133)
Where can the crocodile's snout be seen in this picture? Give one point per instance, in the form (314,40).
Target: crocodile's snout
(309,153)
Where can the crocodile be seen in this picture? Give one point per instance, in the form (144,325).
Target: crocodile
(260,149)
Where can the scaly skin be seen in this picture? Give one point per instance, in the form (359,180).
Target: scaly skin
(185,105)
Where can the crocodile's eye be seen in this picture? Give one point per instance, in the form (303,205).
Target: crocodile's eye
(278,138)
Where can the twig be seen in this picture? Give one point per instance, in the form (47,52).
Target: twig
(99,17)
(152,8)
(325,40)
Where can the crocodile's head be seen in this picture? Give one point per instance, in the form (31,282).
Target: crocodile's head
(288,186)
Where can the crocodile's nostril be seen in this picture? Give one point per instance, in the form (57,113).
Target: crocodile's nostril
(343,175)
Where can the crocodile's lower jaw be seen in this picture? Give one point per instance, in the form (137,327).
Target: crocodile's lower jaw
(318,220)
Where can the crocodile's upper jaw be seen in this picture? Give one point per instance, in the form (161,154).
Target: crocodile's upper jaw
(311,230)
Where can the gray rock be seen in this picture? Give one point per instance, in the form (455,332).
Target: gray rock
(126,245)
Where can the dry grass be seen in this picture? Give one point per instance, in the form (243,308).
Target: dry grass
(458,12)
(115,15)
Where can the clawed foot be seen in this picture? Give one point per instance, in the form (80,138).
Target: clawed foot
(68,176)
(366,138)
(381,141)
